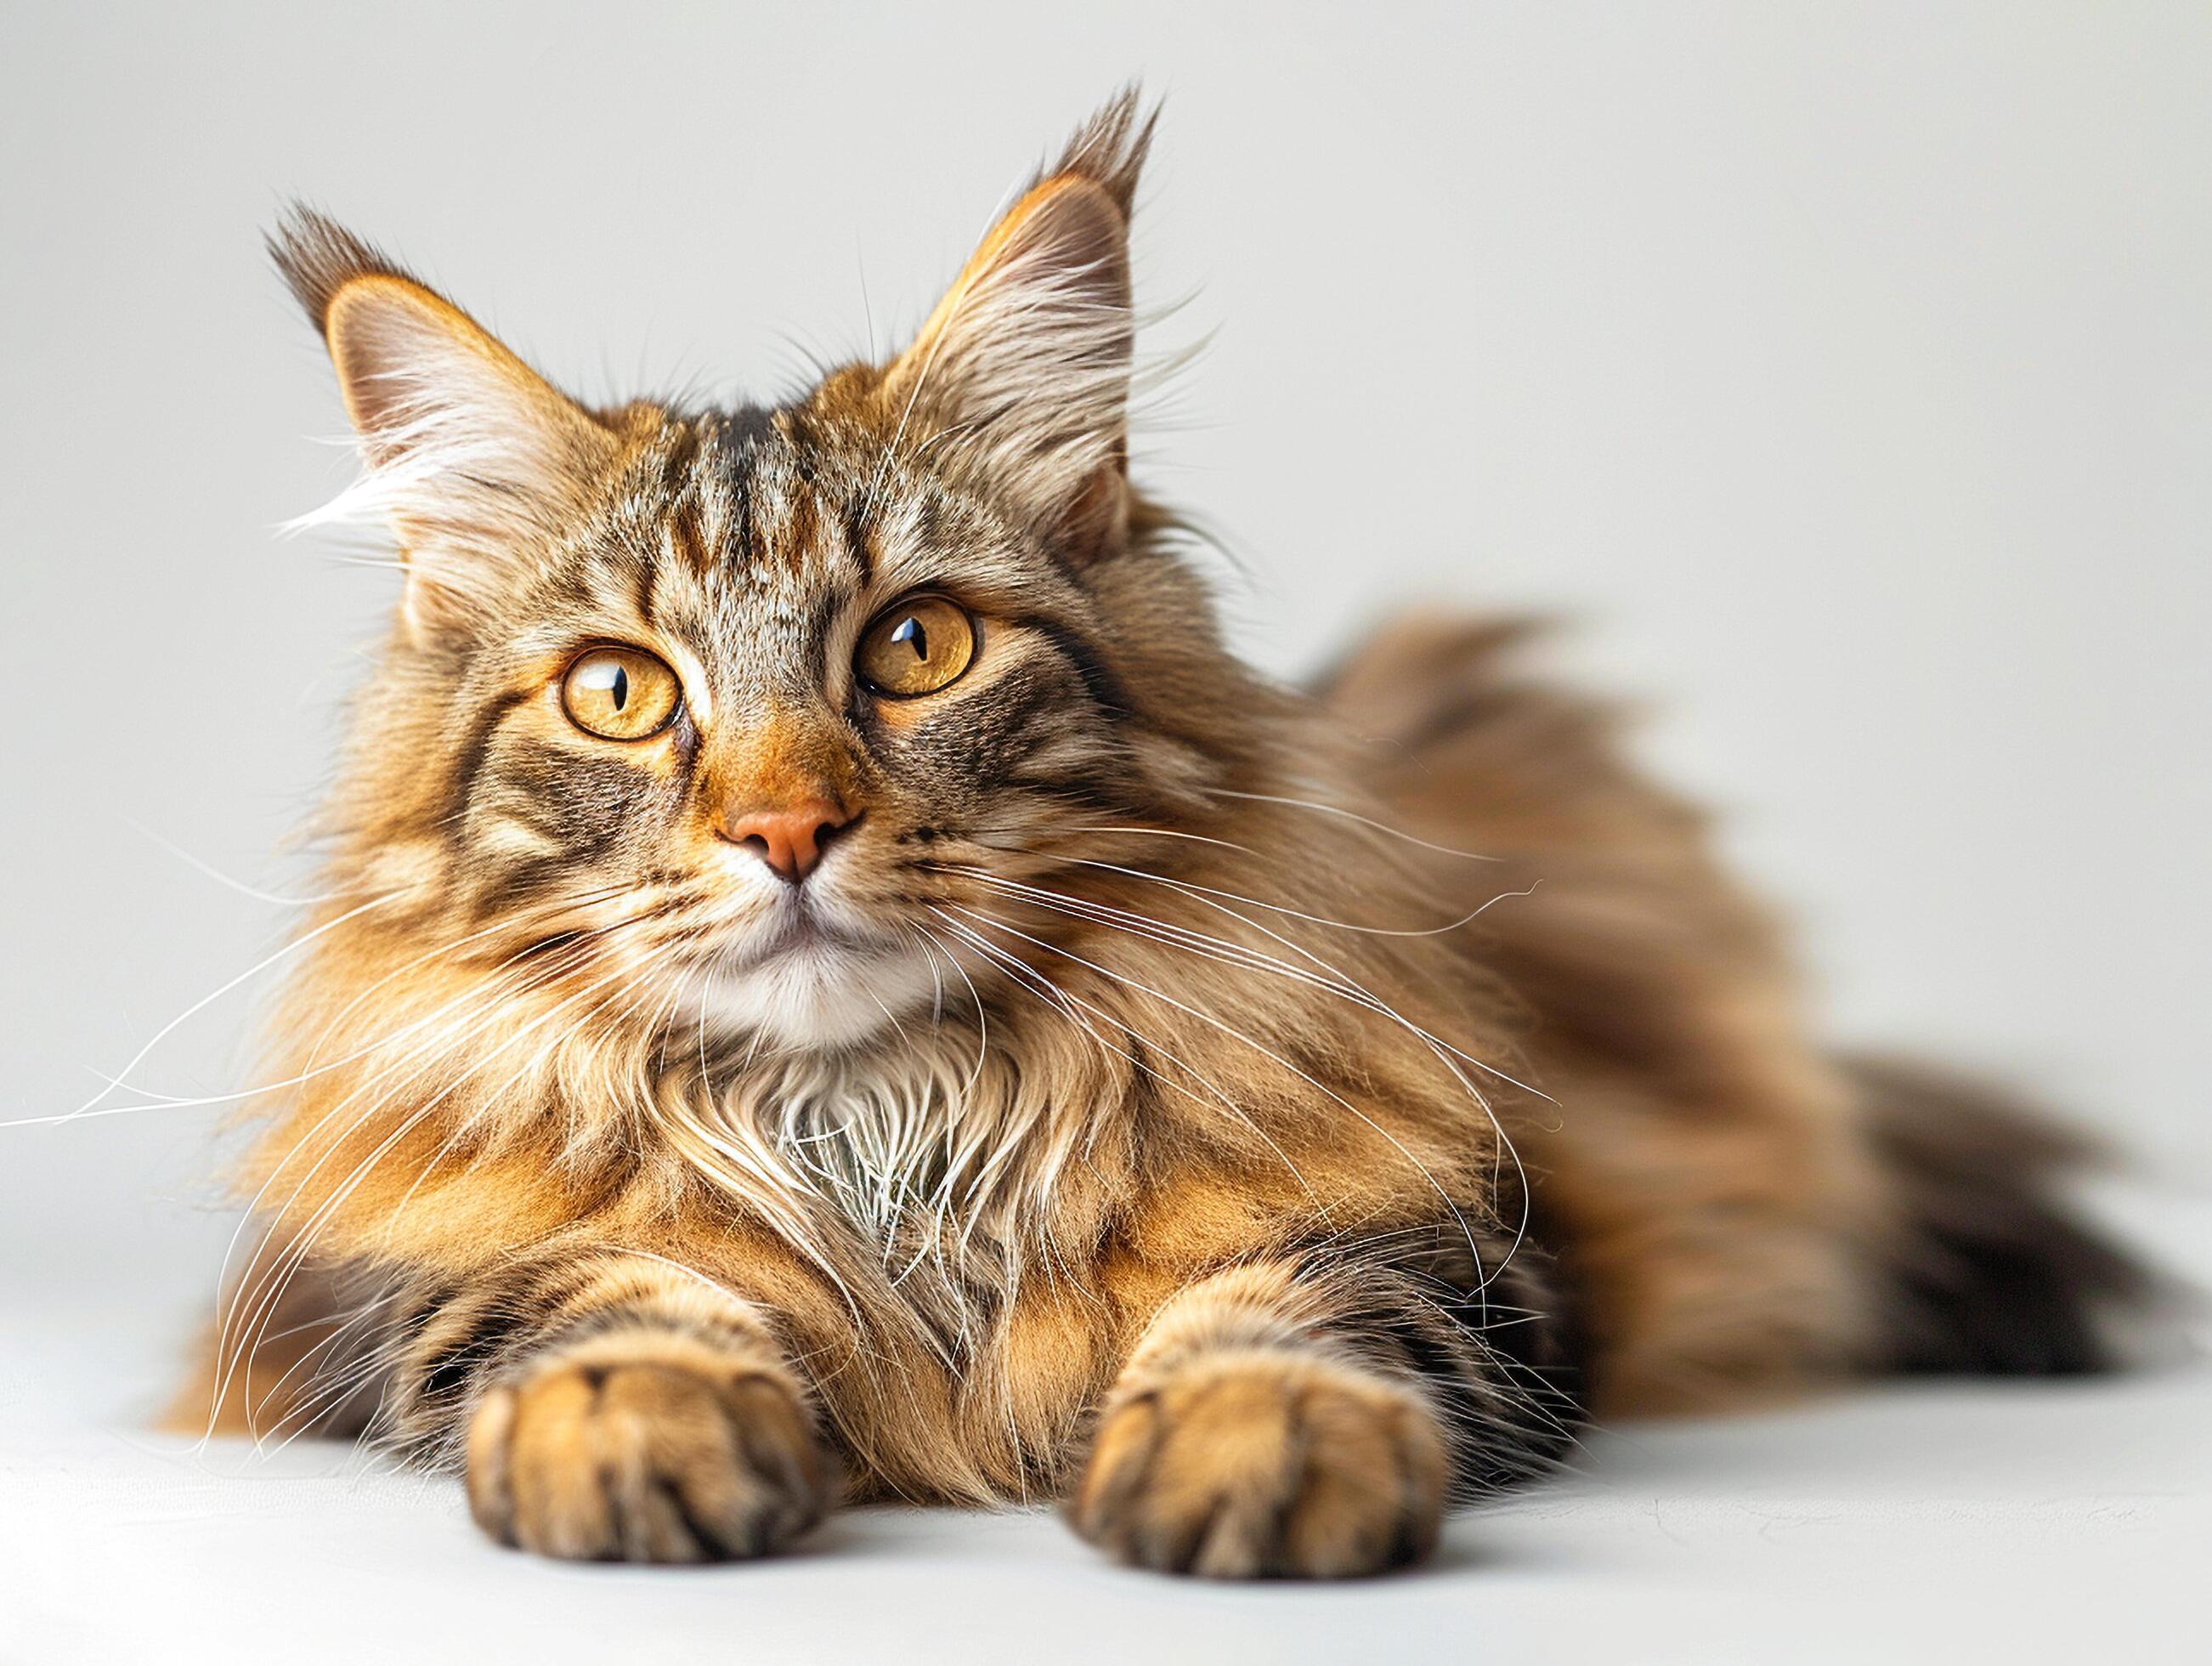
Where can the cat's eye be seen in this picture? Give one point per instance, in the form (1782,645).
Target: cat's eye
(916,647)
(620,693)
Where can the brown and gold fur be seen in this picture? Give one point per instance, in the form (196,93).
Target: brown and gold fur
(1317,1102)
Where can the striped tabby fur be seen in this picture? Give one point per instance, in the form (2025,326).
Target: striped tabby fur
(1141,1105)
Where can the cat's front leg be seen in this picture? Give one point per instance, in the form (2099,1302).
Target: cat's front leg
(1289,1420)
(611,1407)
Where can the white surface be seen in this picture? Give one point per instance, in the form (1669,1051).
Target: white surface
(2009,1524)
(1844,365)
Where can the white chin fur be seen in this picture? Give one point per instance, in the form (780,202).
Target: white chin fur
(818,995)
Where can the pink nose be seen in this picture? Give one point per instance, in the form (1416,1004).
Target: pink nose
(790,840)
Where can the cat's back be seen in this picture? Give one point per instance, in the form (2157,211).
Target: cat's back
(1698,1152)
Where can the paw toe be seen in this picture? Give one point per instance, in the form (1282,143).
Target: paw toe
(647,1460)
(1270,1466)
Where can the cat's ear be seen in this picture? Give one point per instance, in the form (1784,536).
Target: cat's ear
(1028,357)
(474,459)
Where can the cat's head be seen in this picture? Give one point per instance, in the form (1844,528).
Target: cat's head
(751,707)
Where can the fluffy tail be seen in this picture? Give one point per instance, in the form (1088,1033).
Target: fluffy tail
(1639,937)
(1988,1271)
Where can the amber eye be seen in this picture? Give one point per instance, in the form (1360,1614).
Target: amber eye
(620,694)
(917,648)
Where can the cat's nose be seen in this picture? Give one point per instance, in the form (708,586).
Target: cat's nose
(790,840)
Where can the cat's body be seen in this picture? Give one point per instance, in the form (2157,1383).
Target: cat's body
(941,1020)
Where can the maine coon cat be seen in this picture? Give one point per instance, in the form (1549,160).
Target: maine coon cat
(836,985)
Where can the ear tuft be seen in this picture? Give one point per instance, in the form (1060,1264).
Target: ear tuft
(317,258)
(474,460)
(1109,149)
(1028,357)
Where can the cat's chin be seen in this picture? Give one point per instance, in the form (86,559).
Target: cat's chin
(820,996)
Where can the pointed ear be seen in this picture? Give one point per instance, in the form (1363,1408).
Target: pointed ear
(1028,356)
(471,456)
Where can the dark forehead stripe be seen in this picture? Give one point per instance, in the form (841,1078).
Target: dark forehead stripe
(759,461)
(848,508)
(689,538)
(744,429)
(677,445)
(858,541)
(729,459)
(645,581)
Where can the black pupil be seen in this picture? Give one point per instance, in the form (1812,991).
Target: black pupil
(911,633)
(620,687)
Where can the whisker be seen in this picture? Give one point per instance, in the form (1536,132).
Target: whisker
(177,1101)
(1229,1030)
(1472,914)
(220,878)
(262,1295)
(208,999)
(1340,984)
(1058,994)
(1351,815)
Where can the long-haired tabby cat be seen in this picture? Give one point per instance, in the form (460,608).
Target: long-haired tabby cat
(835,984)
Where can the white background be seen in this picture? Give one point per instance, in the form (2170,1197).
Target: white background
(1845,371)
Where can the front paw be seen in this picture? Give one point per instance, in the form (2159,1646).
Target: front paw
(646,1447)
(1263,1463)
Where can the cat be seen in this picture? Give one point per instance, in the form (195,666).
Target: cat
(835,985)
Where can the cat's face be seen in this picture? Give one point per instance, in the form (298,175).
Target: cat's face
(769,702)
(777,709)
